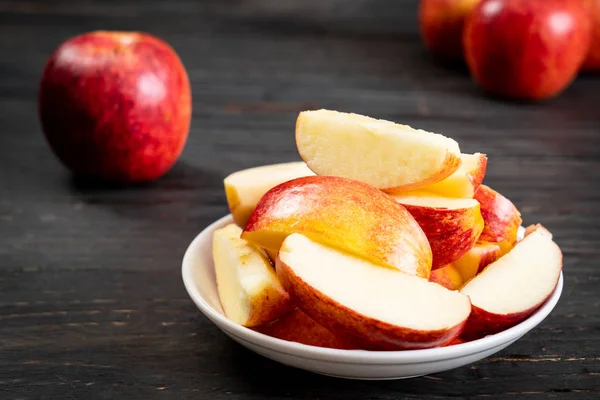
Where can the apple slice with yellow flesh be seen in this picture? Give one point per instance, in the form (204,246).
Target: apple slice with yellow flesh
(477,258)
(510,289)
(343,213)
(378,152)
(380,307)
(447,276)
(298,327)
(465,181)
(247,284)
(244,188)
(452,225)
(502,219)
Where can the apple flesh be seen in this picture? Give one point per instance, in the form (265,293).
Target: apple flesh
(298,327)
(513,287)
(247,284)
(592,60)
(476,259)
(465,181)
(441,24)
(380,153)
(502,219)
(379,307)
(452,225)
(343,213)
(115,106)
(523,49)
(245,188)
(447,276)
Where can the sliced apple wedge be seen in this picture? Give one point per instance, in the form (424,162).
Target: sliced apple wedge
(510,289)
(502,219)
(298,327)
(343,213)
(477,258)
(447,276)
(465,181)
(452,225)
(247,284)
(378,152)
(380,307)
(244,188)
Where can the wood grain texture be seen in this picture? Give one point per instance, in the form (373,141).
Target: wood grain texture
(91,300)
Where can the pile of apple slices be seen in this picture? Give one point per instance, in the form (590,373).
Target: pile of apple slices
(383,238)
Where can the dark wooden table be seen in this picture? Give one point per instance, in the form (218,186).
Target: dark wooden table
(92,304)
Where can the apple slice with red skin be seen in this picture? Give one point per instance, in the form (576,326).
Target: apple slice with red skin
(248,288)
(502,219)
(343,213)
(246,187)
(452,225)
(383,308)
(476,259)
(298,327)
(465,181)
(510,289)
(384,154)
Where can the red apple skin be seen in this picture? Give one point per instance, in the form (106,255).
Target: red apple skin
(115,106)
(592,61)
(451,233)
(526,50)
(369,333)
(458,340)
(346,214)
(501,218)
(481,322)
(441,24)
(298,327)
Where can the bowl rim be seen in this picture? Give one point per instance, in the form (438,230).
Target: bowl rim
(353,356)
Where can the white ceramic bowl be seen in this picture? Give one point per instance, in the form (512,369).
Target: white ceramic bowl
(199,279)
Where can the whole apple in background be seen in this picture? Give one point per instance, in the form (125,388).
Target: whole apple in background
(527,50)
(592,62)
(115,106)
(441,24)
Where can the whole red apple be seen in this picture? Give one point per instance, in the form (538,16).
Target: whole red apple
(441,25)
(592,61)
(526,49)
(115,106)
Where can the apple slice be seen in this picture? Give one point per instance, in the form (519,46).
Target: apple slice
(380,307)
(298,327)
(343,213)
(378,152)
(247,284)
(452,225)
(477,258)
(502,219)
(465,181)
(510,289)
(447,276)
(244,188)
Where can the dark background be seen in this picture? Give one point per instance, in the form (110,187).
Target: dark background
(91,299)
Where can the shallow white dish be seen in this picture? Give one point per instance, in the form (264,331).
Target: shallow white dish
(199,280)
